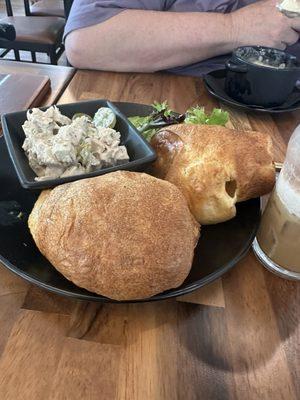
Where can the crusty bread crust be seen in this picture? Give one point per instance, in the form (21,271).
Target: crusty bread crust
(214,167)
(124,235)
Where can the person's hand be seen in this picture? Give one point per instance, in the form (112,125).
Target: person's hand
(263,24)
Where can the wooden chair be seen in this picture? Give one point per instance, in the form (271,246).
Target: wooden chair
(34,34)
(68,6)
(58,8)
(44,8)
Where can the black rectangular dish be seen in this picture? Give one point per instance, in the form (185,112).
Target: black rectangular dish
(140,152)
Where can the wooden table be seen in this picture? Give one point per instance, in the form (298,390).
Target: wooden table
(59,76)
(236,339)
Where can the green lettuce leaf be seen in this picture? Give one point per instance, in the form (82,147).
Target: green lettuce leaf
(162,108)
(140,122)
(197,115)
(218,117)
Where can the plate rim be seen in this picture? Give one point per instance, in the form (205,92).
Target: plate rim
(171,293)
(242,106)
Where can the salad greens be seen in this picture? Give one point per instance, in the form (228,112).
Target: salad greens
(197,115)
(162,116)
(141,124)
(162,107)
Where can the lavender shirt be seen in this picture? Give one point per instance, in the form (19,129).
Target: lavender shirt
(91,12)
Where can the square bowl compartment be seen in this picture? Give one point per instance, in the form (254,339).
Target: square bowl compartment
(140,152)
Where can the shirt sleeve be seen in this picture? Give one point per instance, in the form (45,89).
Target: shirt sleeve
(92,12)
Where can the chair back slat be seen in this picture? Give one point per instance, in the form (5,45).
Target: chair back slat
(27,7)
(9,9)
(68,6)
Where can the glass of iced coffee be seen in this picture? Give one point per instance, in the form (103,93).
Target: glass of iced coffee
(277,244)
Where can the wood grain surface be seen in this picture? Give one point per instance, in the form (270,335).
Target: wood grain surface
(59,76)
(238,338)
(22,91)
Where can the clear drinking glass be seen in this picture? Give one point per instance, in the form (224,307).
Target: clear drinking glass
(277,244)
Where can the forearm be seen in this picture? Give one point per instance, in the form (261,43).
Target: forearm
(146,41)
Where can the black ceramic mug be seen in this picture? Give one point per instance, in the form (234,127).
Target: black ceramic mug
(261,76)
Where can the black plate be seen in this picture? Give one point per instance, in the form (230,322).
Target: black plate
(215,84)
(220,246)
(140,152)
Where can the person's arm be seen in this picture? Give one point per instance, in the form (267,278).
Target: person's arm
(138,40)
(147,41)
